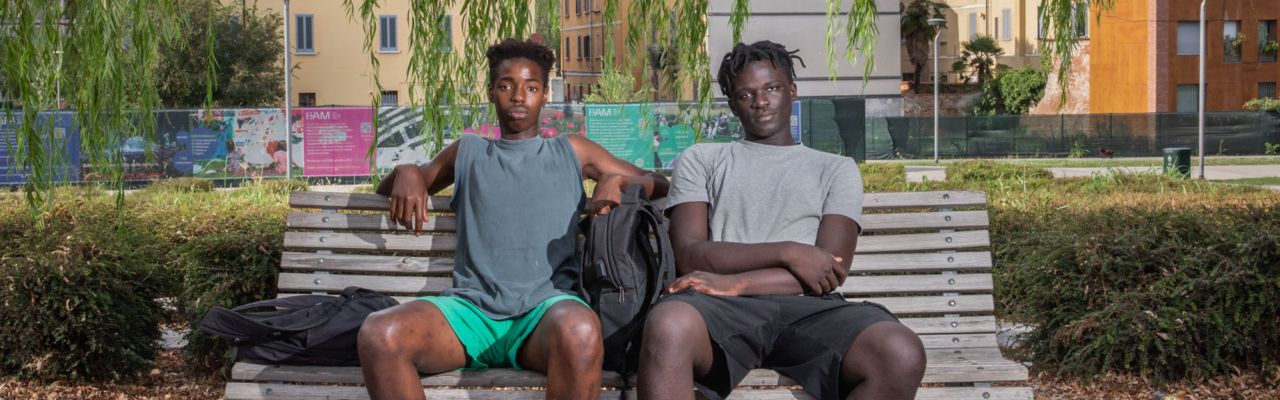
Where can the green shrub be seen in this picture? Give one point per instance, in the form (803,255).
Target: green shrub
(985,171)
(1011,92)
(281,187)
(181,185)
(77,300)
(226,269)
(882,177)
(1170,286)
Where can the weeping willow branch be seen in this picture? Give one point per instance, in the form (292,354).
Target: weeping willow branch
(1066,20)
(104,74)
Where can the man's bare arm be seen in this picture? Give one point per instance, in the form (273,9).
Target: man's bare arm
(765,268)
(409,187)
(612,175)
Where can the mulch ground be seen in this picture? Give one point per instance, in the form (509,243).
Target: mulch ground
(169,381)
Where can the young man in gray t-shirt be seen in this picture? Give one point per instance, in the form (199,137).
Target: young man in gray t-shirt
(764,231)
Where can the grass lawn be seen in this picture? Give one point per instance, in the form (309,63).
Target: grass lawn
(1100,163)
(1268,181)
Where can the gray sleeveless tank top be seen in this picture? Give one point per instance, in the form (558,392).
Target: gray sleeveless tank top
(518,203)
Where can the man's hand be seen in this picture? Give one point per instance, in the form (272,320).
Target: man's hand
(819,271)
(409,199)
(709,283)
(607,195)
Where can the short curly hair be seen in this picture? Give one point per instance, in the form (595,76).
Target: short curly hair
(512,48)
(735,61)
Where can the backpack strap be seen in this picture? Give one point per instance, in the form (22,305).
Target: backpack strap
(635,194)
(292,303)
(232,324)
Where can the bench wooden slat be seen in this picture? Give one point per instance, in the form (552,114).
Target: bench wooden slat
(871,201)
(863,263)
(259,391)
(364,222)
(356,201)
(912,305)
(966,340)
(925,221)
(941,364)
(421,285)
(389,242)
(366,263)
(447,223)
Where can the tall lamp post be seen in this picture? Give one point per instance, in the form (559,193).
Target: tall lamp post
(1203,36)
(288,107)
(938,24)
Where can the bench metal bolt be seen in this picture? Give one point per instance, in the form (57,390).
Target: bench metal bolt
(951,303)
(948,218)
(954,324)
(326,198)
(951,259)
(944,197)
(325,219)
(948,239)
(321,261)
(322,240)
(951,281)
(955,340)
(317,281)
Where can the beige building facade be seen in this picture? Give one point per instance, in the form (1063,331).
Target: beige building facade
(328,49)
(1014,24)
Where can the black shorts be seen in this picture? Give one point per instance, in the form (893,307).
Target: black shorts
(801,337)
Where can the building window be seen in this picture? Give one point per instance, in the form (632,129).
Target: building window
(973,26)
(1007,14)
(1267,41)
(387,33)
(1082,20)
(597,6)
(306,99)
(577,7)
(1040,23)
(997,35)
(1187,100)
(390,98)
(599,54)
(565,10)
(579,47)
(909,77)
(568,48)
(1188,38)
(1232,41)
(447,28)
(1266,90)
(305,43)
(586,47)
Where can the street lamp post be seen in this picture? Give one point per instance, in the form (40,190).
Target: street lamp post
(1203,37)
(938,24)
(288,109)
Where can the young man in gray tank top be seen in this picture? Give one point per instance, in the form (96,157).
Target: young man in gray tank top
(754,225)
(517,200)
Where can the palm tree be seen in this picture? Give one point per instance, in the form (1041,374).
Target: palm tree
(917,31)
(979,56)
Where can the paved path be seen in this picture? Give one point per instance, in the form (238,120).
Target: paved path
(1214,172)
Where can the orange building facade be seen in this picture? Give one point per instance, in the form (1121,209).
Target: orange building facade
(1144,55)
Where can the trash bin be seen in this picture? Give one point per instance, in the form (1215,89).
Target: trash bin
(1177,162)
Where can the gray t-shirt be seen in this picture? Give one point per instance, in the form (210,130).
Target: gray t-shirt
(759,193)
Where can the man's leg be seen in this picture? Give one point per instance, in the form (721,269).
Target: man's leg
(397,343)
(567,347)
(886,361)
(676,347)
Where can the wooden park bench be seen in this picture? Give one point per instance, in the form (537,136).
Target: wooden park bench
(924,262)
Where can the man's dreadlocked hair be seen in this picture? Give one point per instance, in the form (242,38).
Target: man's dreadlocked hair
(512,48)
(735,61)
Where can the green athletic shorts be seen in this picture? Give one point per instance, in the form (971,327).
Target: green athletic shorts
(491,343)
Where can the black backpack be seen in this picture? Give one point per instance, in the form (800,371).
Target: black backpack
(312,330)
(623,273)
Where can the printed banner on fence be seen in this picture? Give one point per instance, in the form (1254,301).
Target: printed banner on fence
(673,136)
(795,121)
(243,142)
(335,141)
(64,144)
(625,130)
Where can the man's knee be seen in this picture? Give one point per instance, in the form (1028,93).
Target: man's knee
(900,351)
(576,329)
(671,326)
(378,334)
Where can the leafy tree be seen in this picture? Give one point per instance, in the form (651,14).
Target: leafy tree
(1263,104)
(979,57)
(1012,92)
(918,33)
(619,87)
(241,53)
